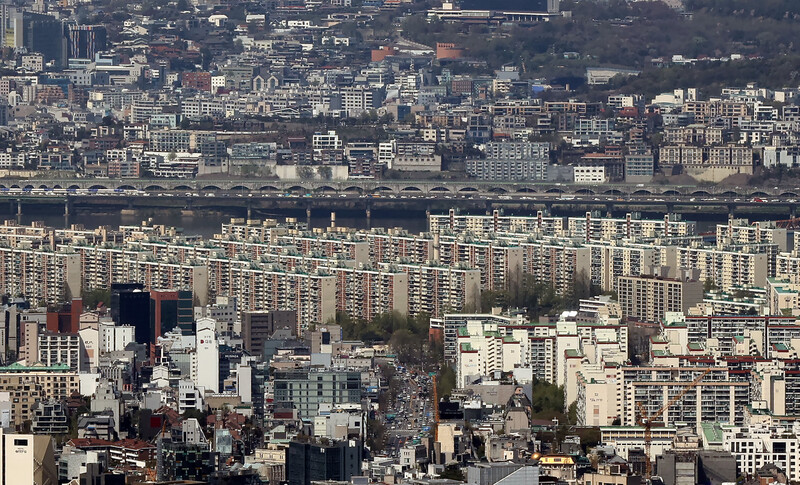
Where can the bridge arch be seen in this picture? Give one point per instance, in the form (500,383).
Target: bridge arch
(382,188)
(411,188)
(353,189)
(554,190)
(700,193)
(729,193)
(671,192)
(154,187)
(613,192)
(642,192)
(526,190)
(126,187)
(439,188)
(296,188)
(789,194)
(240,188)
(182,187)
(759,193)
(263,188)
(494,190)
(324,188)
(585,192)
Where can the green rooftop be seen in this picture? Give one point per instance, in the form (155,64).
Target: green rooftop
(36,367)
(712,433)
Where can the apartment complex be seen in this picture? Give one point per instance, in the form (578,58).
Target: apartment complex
(650,298)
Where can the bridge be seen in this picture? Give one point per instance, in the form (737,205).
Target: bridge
(249,198)
(397,187)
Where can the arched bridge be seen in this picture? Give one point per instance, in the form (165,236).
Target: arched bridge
(397,187)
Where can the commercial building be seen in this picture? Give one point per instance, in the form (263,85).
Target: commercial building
(29,384)
(305,390)
(130,305)
(757,446)
(259,326)
(85,41)
(170,309)
(63,348)
(27,458)
(308,462)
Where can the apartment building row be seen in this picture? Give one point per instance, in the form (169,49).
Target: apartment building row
(588,227)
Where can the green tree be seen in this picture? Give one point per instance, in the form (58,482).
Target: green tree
(446,381)
(376,436)
(304,172)
(92,298)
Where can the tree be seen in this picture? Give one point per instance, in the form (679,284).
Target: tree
(446,381)
(305,172)
(92,298)
(572,413)
(325,172)
(376,436)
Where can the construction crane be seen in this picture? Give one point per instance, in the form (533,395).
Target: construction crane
(647,421)
(435,410)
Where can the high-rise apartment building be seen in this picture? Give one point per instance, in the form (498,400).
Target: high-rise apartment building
(650,298)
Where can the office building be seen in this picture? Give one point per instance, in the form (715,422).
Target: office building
(85,41)
(259,326)
(308,462)
(170,310)
(206,360)
(305,390)
(130,305)
(188,461)
(37,33)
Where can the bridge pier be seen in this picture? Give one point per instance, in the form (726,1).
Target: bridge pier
(792,211)
(66,208)
(670,208)
(731,211)
(187,210)
(609,210)
(308,216)
(19,207)
(129,210)
(548,209)
(333,219)
(249,211)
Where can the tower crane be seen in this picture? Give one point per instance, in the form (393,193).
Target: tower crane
(647,421)
(435,410)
